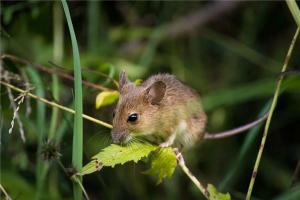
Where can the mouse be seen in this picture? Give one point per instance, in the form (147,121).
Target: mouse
(165,111)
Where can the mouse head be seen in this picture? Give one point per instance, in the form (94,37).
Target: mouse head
(137,109)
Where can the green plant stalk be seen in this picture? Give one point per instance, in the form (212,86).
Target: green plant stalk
(77,149)
(41,111)
(273,105)
(294,10)
(58,43)
(93,26)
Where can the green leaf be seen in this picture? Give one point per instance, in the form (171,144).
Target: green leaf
(106,98)
(163,164)
(214,194)
(115,154)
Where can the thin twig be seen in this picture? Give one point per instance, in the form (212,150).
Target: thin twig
(51,103)
(75,178)
(5,193)
(51,71)
(15,107)
(90,71)
(273,105)
(186,170)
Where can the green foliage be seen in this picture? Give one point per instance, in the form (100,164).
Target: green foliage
(106,98)
(234,70)
(215,195)
(163,164)
(115,154)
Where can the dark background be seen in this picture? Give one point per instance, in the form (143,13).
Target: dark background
(230,52)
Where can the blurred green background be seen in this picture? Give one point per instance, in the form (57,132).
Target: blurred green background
(230,52)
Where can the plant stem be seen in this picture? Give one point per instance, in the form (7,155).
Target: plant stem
(53,104)
(186,170)
(58,44)
(41,124)
(294,10)
(77,180)
(273,105)
(5,193)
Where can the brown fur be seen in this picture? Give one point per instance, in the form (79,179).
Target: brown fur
(162,103)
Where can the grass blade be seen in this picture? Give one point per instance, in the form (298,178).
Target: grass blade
(78,121)
(294,10)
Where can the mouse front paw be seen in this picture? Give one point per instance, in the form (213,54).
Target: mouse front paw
(165,144)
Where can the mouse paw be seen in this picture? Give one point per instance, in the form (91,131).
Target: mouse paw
(165,144)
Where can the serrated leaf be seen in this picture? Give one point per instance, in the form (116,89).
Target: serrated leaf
(115,154)
(106,98)
(163,164)
(214,194)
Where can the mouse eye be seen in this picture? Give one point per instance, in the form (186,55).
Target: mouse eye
(132,117)
(114,113)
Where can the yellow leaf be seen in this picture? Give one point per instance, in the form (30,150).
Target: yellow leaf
(106,98)
(138,82)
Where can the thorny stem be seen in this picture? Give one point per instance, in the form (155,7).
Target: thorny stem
(74,178)
(5,193)
(51,71)
(186,170)
(274,102)
(87,117)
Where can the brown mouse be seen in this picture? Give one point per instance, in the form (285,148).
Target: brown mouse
(162,110)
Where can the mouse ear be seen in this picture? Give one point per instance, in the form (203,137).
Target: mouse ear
(123,80)
(156,92)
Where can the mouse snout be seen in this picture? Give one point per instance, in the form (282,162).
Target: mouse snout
(118,136)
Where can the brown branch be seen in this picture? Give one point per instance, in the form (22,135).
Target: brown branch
(199,18)
(91,71)
(51,71)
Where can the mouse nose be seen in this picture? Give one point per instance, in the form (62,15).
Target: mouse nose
(118,137)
